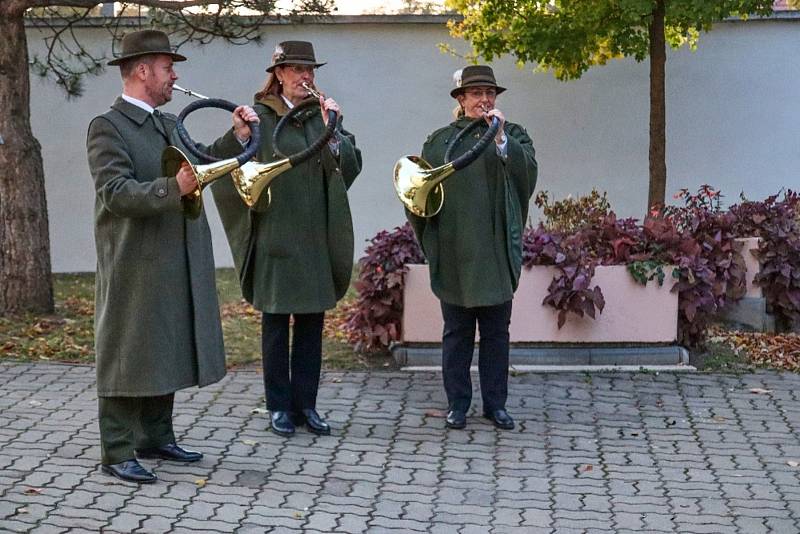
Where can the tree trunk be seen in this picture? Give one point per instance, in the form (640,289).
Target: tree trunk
(25,281)
(656,193)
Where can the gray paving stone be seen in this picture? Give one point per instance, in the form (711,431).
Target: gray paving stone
(668,453)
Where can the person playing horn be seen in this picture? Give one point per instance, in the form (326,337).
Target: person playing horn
(293,250)
(474,245)
(157,325)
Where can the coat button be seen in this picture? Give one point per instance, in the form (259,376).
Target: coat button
(336,170)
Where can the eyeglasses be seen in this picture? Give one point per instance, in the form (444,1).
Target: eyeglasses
(480,93)
(300,69)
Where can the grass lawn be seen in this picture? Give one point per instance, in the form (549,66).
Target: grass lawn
(67,335)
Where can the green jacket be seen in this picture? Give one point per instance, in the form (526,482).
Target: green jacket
(294,253)
(157,324)
(474,244)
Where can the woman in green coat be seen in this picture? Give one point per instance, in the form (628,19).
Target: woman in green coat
(474,245)
(294,250)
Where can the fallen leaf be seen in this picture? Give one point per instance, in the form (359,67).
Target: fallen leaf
(759,391)
(298,515)
(258,410)
(32,491)
(793,463)
(435,413)
(336,379)
(719,419)
(35,403)
(249,442)
(200,482)
(22,510)
(586,468)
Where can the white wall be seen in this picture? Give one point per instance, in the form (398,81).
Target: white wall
(731,117)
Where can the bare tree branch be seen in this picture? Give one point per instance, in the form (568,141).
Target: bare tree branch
(161,4)
(67,61)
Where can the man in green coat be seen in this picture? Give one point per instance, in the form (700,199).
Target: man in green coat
(157,325)
(474,244)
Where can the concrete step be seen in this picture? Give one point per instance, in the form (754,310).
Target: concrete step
(560,358)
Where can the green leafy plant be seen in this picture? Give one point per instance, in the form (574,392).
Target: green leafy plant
(644,271)
(571,213)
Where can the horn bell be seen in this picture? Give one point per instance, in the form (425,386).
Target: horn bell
(419,186)
(171,160)
(253,178)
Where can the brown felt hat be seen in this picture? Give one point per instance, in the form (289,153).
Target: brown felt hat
(145,42)
(474,76)
(294,52)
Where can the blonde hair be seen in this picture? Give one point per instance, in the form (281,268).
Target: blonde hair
(271,87)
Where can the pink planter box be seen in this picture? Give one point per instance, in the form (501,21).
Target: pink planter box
(633,313)
(753,267)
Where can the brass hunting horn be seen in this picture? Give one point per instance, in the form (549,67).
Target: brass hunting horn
(172,158)
(419,186)
(253,178)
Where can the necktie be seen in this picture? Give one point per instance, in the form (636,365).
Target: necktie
(159,122)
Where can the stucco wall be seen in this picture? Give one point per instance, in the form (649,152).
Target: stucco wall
(731,117)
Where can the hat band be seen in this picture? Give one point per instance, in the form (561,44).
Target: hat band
(288,59)
(476,80)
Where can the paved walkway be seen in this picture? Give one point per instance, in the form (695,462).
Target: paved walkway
(591,453)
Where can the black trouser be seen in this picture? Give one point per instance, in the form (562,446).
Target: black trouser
(128,423)
(293,390)
(458,345)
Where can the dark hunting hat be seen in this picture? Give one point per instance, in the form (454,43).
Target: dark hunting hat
(145,42)
(294,52)
(474,76)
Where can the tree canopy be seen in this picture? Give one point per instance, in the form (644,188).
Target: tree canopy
(570,36)
(567,37)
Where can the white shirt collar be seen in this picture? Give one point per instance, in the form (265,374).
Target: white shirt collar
(138,103)
(288,102)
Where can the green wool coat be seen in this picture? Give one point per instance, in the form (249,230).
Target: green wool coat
(157,324)
(294,254)
(474,244)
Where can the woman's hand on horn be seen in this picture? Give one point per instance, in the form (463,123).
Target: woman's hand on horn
(241,116)
(328,104)
(499,114)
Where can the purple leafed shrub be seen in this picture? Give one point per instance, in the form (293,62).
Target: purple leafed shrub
(375,319)
(697,238)
(777,223)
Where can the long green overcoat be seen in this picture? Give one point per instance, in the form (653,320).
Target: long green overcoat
(294,253)
(474,244)
(157,324)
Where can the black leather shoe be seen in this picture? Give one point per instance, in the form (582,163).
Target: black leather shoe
(171,451)
(500,418)
(314,422)
(281,423)
(130,471)
(456,419)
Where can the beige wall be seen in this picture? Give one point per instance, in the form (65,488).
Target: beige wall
(732,118)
